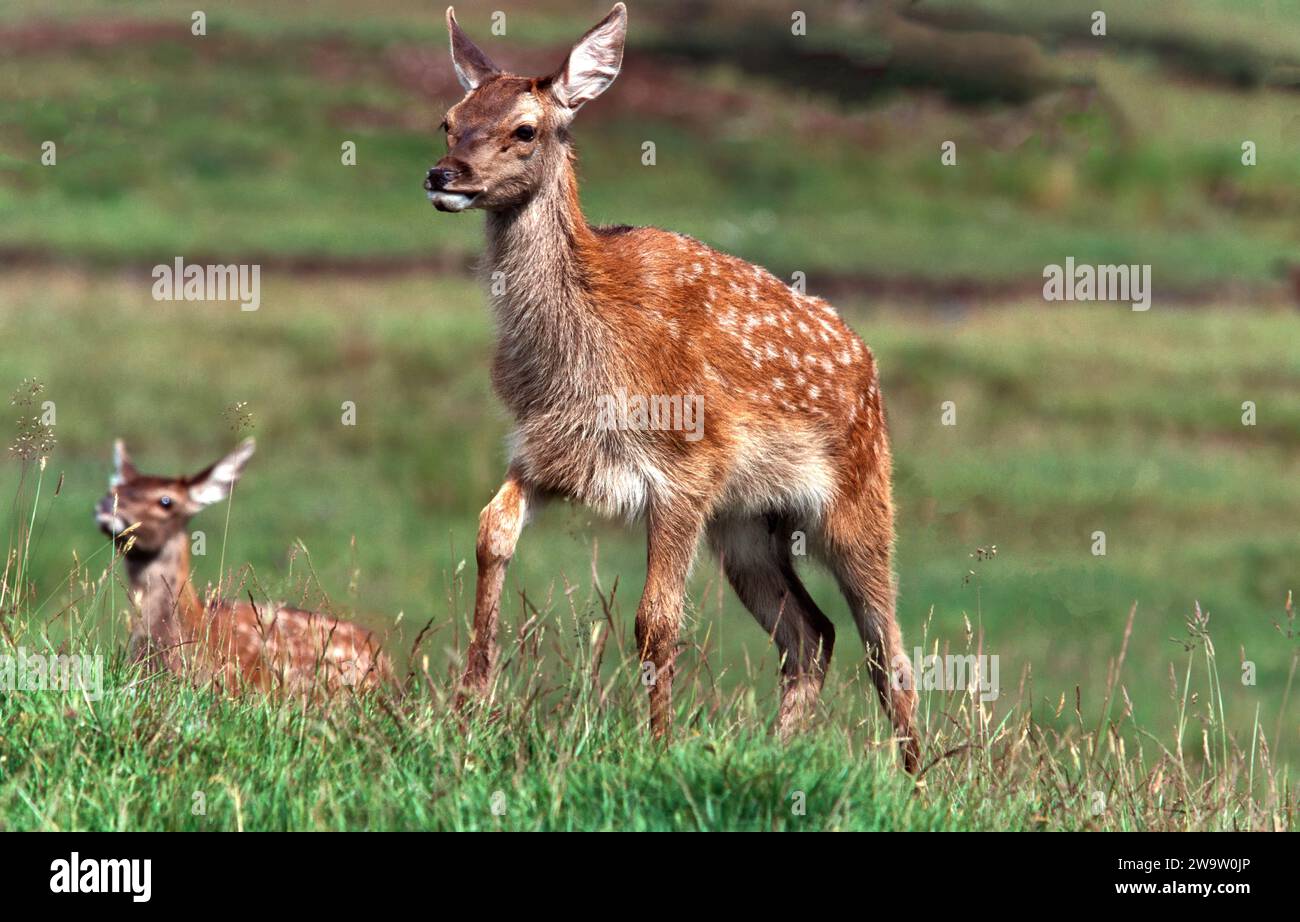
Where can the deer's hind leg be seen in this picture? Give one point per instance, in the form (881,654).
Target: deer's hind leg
(756,556)
(857,546)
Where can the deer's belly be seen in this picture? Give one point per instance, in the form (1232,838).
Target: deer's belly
(774,474)
(772,469)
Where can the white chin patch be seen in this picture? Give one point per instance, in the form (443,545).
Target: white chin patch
(451,201)
(113,523)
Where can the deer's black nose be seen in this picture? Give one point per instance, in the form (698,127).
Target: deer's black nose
(438,178)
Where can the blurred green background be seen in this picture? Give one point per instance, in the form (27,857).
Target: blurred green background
(816,153)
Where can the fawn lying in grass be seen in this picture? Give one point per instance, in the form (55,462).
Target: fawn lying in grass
(589,318)
(234,645)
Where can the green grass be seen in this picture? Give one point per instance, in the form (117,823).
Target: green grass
(566,749)
(136,761)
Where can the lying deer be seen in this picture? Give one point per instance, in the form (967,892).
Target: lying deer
(234,644)
(794,447)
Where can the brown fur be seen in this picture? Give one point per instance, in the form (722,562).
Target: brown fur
(794,436)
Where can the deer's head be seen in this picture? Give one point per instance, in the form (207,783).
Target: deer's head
(161,507)
(509,133)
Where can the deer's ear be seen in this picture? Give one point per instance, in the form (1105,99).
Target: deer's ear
(593,63)
(472,65)
(214,484)
(123,469)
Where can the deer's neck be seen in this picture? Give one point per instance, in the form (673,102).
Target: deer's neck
(544,265)
(170,610)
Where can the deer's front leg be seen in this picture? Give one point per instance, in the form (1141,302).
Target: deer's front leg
(672,537)
(499,526)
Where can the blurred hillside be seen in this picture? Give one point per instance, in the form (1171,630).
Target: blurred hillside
(817,152)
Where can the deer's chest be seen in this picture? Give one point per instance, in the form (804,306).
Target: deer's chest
(609,470)
(552,375)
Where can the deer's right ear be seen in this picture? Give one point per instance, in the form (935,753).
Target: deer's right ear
(214,484)
(123,469)
(472,65)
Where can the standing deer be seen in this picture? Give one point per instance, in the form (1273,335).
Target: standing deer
(590,317)
(233,644)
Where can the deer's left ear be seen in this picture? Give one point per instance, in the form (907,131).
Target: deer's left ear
(472,65)
(594,62)
(214,484)
(123,469)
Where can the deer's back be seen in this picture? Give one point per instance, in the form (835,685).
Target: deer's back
(283,648)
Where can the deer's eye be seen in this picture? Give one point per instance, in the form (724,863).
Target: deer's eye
(165,502)
(525,132)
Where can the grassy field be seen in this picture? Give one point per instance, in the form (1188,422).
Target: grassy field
(152,755)
(1070,420)
(1066,425)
